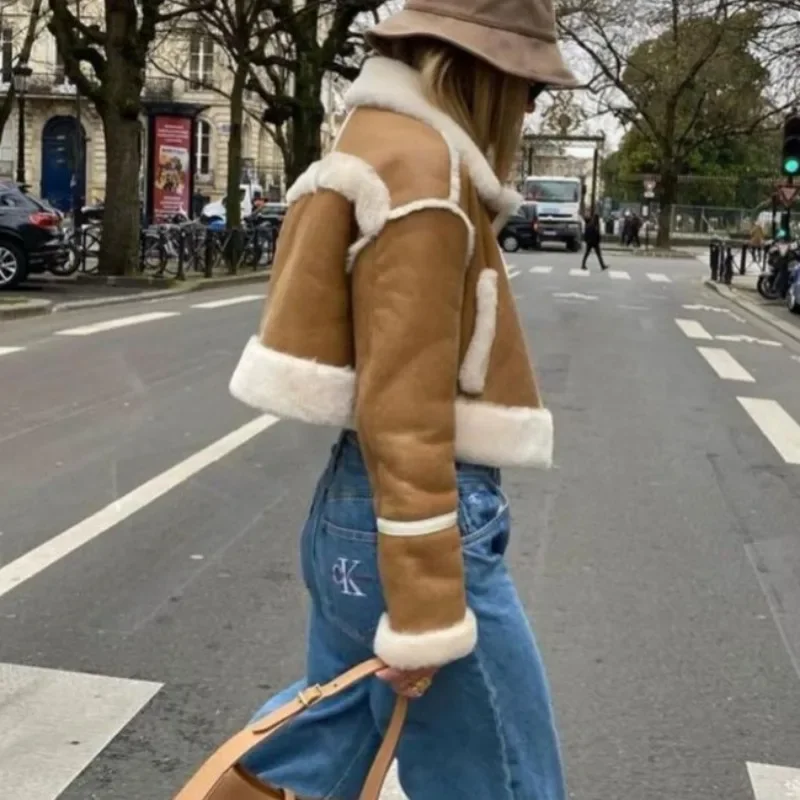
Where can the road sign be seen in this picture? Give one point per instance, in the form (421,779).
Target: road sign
(787,194)
(649,189)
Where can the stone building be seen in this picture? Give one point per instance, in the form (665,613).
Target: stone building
(186,66)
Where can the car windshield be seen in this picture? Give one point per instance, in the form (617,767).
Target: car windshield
(552,191)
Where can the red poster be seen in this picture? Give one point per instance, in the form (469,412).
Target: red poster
(171,143)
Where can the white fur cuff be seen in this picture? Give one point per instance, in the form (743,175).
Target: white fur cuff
(429,649)
(503,436)
(292,387)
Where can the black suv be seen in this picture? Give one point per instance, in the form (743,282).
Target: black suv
(521,232)
(31,236)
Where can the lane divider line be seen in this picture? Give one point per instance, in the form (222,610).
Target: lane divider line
(229,301)
(693,329)
(119,322)
(776,424)
(725,365)
(7,351)
(45,555)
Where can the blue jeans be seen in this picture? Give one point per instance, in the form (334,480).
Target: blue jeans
(485,729)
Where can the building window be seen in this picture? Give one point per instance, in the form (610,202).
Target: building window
(203,152)
(201,60)
(6,54)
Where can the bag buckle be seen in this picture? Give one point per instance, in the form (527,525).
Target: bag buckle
(312,694)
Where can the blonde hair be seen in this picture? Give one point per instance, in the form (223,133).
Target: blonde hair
(488,104)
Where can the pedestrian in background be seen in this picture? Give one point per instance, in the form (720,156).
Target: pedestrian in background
(591,238)
(756,243)
(405,334)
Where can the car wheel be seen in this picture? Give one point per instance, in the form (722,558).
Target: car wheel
(13,268)
(510,243)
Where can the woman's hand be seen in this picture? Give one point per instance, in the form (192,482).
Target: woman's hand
(412,683)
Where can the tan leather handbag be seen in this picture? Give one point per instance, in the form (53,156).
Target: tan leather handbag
(221,777)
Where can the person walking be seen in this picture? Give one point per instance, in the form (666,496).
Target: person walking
(756,243)
(591,238)
(396,322)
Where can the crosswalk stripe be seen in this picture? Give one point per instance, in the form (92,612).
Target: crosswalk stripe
(7,351)
(513,273)
(771,782)
(40,558)
(659,277)
(53,724)
(579,273)
(619,274)
(229,301)
(119,322)
(776,424)
(693,329)
(541,270)
(725,365)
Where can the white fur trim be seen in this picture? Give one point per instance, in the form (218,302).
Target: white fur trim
(503,436)
(429,649)
(446,205)
(293,388)
(354,179)
(472,376)
(510,201)
(390,84)
(417,527)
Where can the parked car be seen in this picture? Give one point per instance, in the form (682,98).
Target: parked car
(521,232)
(31,236)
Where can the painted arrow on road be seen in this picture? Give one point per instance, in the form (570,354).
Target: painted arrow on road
(748,339)
(774,783)
(573,296)
(716,309)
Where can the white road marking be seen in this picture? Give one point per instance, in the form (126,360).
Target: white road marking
(7,351)
(40,558)
(693,329)
(725,365)
(53,724)
(776,424)
(229,301)
(576,272)
(716,309)
(748,339)
(120,322)
(619,274)
(774,783)
(513,273)
(659,277)
(541,270)
(574,296)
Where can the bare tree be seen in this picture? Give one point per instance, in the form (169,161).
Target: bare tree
(107,65)
(678,72)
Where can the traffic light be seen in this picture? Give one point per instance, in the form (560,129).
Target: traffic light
(790,163)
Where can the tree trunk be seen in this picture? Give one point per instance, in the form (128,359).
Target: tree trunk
(119,247)
(306,124)
(668,193)
(233,205)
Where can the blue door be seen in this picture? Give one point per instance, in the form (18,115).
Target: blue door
(60,142)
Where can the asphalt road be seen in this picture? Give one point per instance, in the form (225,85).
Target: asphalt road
(149,589)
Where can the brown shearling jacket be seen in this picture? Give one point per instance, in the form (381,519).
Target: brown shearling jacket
(390,312)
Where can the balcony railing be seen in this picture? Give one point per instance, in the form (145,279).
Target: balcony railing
(56,84)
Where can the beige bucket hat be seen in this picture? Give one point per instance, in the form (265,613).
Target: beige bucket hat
(515,36)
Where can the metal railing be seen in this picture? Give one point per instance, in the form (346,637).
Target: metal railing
(55,83)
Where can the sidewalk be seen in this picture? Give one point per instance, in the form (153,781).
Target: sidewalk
(46,294)
(774,312)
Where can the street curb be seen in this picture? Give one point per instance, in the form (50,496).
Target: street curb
(30,308)
(677,255)
(731,294)
(34,308)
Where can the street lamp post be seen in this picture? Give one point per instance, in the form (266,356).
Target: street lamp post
(20,75)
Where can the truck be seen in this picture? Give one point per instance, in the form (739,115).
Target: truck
(559,201)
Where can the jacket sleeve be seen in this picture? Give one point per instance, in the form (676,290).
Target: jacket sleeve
(407,294)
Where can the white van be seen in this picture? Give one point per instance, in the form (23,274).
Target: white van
(216,211)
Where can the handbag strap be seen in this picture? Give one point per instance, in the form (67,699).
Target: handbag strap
(205,780)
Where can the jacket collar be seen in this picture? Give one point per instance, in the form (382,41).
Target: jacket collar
(390,84)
